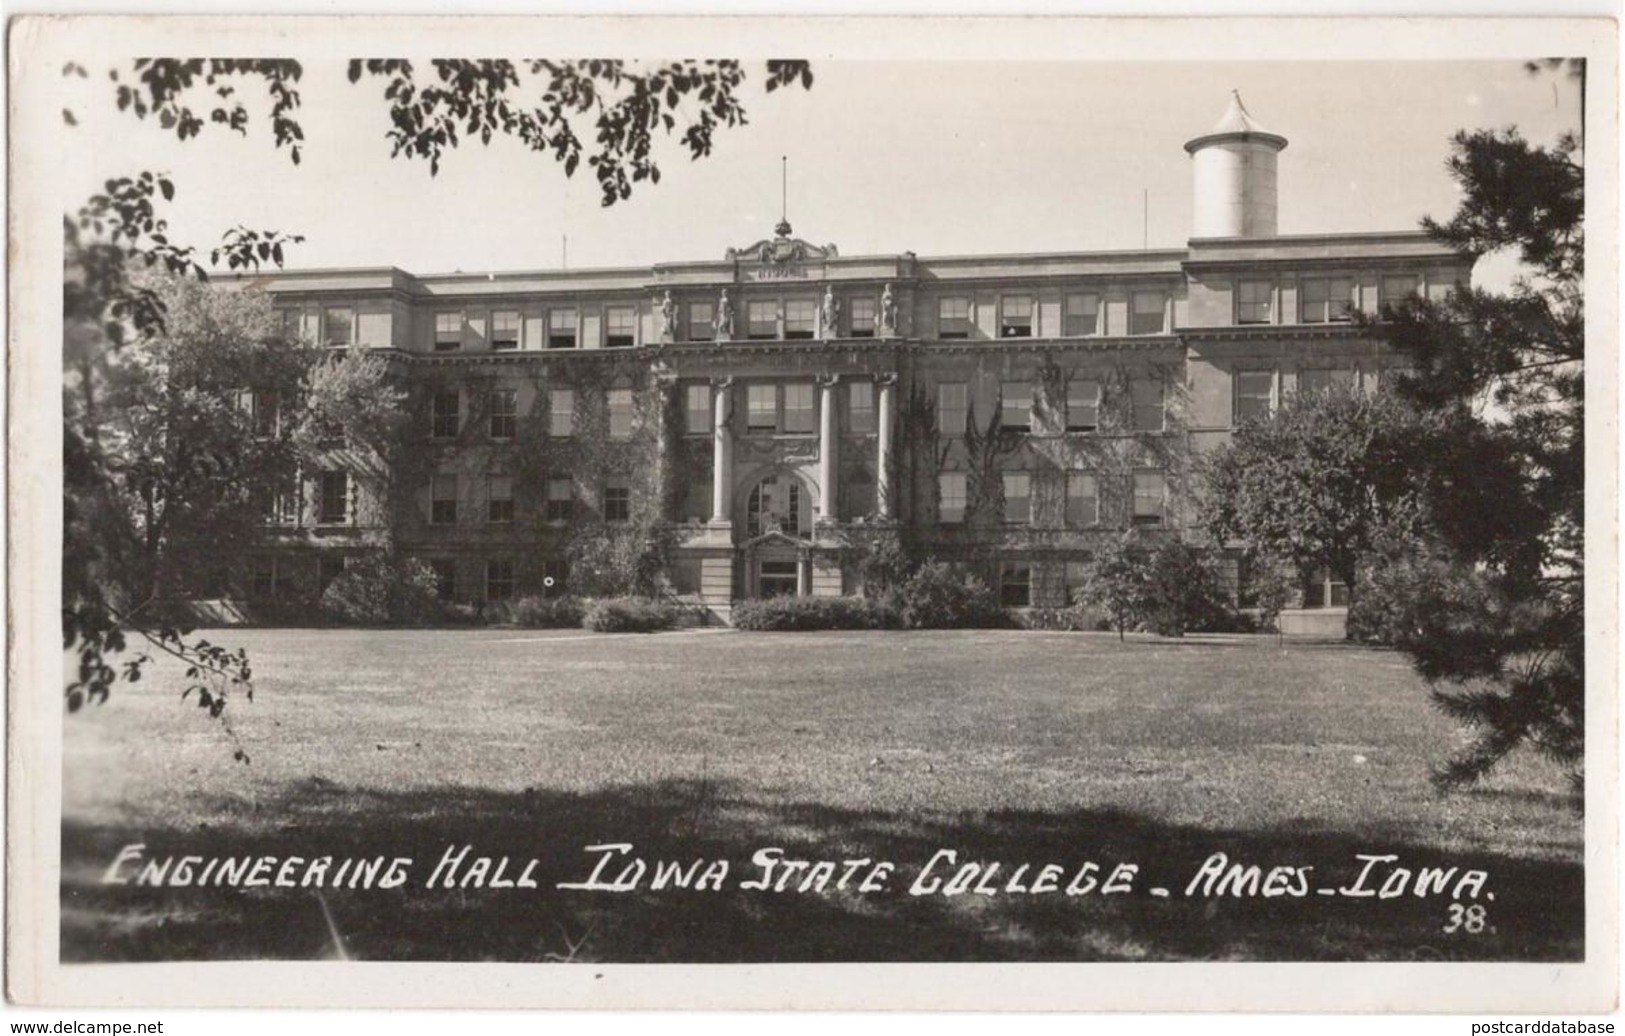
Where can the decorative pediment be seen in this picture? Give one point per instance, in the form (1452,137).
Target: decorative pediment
(782,250)
(776,537)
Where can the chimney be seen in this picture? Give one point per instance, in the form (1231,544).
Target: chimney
(1234,167)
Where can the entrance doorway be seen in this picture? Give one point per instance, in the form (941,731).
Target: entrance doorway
(778,578)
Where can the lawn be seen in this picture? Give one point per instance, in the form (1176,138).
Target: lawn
(1017,747)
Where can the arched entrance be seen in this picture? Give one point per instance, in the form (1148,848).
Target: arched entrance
(778,527)
(782,502)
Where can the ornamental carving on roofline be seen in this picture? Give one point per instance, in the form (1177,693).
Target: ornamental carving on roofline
(781,250)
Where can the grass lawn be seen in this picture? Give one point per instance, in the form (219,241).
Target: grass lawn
(1037,748)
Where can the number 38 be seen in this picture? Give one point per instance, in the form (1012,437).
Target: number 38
(1470,919)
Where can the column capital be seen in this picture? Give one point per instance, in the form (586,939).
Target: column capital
(888,378)
(827,380)
(723,381)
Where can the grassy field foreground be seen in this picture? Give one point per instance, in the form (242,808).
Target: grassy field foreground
(709,745)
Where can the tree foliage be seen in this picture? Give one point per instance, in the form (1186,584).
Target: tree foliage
(1116,581)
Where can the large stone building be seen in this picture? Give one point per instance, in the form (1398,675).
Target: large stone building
(785,401)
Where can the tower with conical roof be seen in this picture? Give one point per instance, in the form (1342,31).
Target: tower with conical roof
(1234,175)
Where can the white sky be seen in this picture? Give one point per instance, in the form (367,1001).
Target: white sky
(933,157)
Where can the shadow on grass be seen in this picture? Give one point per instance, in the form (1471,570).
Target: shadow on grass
(1537,912)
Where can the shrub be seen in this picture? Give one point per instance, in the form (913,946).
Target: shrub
(458,613)
(1116,581)
(937,597)
(1077,618)
(629,615)
(1182,591)
(539,613)
(380,589)
(796,614)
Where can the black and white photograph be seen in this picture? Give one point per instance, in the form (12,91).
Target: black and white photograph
(1005,498)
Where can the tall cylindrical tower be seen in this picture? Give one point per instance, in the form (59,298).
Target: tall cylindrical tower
(1234,173)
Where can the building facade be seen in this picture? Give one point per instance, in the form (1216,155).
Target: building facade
(784,402)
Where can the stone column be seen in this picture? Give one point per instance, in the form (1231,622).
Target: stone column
(803,575)
(722,452)
(883,436)
(828,438)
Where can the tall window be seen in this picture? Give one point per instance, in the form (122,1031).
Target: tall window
(860,406)
(617,499)
(1325,591)
(1325,299)
(504,418)
(1077,577)
(620,413)
(560,495)
(1146,396)
(1015,405)
(762,408)
(505,329)
(338,326)
(1396,287)
(953,406)
(499,500)
(292,324)
(333,503)
(1016,316)
(1321,381)
(1015,584)
(951,491)
(443,499)
(697,409)
(445,578)
(799,318)
(1082,315)
(1255,395)
(267,412)
(700,316)
(1082,499)
(799,416)
(777,500)
(862,316)
(1082,405)
(1146,313)
(953,317)
(561,329)
(1018,497)
(447,414)
(1150,497)
(499,581)
(762,319)
(448,332)
(561,412)
(1255,302)
(620,327)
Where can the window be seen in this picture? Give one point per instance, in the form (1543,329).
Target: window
(505,329)
(560,495)
(1318,382)
(555,578)
(860,406)
(338,326)
(700,316)
(504,419)
(448,332)
(697,409)
(620,413)
(778,578)
(561,412)
(799,416)
(445,409)
(762,408)
(1325,591)
(799,318)
(862,317)
(1082,316)
(1082,499)
(617,500)
(1018,500)
(1146,316)
(777,501)
(1325,299)
(1440,287)
(333,505)
(1082,405)
(282,504)
(267,413)
(1146,397)
(498,580)
(1255,302)
(762,319)
(1255,395)
(951,491)
(1077,577)
(953,407)
(620,327)
(499,500)
(292,321)
(445,578)
(1016,316)
(1015,584)
(1150,497)
(443,500)
(1015,406)
(561,329)
(953,317)
(1397,287)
